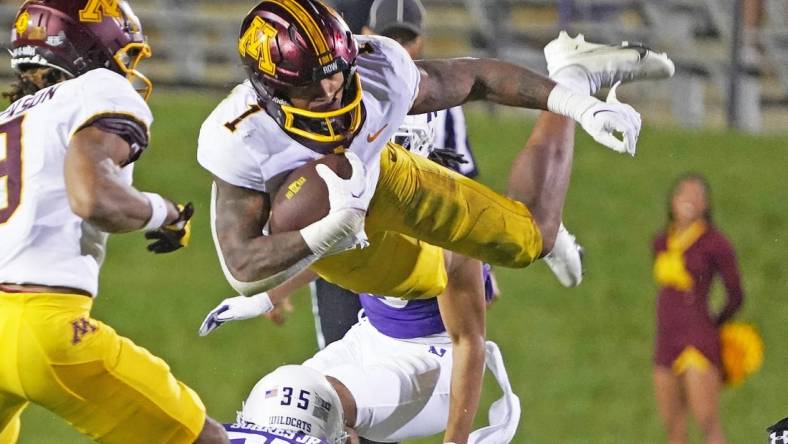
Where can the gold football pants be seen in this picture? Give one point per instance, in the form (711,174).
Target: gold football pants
(52,353)
(418,206)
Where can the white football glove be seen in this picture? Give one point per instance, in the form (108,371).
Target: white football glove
(600,119)
(236,309)
(343,228)
(351,193)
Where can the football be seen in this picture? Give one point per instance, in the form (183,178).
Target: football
(303,197)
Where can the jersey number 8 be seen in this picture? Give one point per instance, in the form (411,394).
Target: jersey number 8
(10,167)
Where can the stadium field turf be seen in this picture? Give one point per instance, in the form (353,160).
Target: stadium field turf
(579,359)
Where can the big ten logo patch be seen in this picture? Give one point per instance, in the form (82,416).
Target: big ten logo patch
(294,187)
(80,328)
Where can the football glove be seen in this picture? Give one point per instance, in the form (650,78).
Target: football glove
(236,309)
(175,235)
(600,119)
(448,158)
(605,118)
(354,193)
(343,227)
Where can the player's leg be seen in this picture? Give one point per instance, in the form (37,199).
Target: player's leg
(11,408)
(388,394)
(703,394)
(212,433)
(335,309)
(671,404)
(103,384)
(540,174)
(418,200)
(426,201)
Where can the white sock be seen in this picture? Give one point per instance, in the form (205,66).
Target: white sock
(575,78)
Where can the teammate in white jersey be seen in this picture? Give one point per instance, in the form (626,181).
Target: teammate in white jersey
(67,146)
(315,88)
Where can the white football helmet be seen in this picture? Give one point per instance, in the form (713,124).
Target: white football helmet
(297,398)
(416,134)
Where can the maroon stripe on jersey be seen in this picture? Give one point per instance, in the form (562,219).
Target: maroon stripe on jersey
(11,167)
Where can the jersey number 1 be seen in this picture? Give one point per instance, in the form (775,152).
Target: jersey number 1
(10,167)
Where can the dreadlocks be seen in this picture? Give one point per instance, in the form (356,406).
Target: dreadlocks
(32,79)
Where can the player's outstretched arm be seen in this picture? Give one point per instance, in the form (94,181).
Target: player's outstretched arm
(462,306)
(451,82)
(97,191)
(446,83)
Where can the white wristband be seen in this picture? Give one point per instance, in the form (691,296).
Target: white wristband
(158,215)
(566,102)
(323,234)
(264,304)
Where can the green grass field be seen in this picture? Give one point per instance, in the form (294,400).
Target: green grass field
(579,359)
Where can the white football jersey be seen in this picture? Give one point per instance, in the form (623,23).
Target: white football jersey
(258,152)
(41,240)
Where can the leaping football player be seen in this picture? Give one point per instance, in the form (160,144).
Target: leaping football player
(355,365)
(68,143)
(314,88)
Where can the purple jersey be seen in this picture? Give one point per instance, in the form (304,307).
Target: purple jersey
(252,434)
(407,319)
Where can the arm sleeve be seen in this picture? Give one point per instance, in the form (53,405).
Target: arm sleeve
(225,155)
(393,62)
(724,260)
(109,102)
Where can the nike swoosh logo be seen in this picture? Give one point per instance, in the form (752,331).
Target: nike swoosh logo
(602,111)
(372,136)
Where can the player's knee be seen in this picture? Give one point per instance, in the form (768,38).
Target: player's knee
(212,433)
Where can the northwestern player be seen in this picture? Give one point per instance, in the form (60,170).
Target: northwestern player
(67,146)
(394,370)
(314,88)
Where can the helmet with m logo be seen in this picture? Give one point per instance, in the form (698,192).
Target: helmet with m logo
(76,36)
(294,43)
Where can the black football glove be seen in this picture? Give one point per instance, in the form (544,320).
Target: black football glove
(448,158)
(171,237)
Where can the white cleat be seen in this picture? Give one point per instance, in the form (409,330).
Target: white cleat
(566,259)
(607,64)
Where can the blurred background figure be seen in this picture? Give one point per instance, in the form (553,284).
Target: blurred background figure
(689,253)
(355,12)
(752,14)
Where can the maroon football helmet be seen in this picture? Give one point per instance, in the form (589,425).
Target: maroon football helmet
(290,43)
(76,36)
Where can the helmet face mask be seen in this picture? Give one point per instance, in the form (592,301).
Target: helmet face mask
(286,44)
(416,135)
(76,36)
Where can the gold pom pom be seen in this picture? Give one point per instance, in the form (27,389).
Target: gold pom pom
(742,351)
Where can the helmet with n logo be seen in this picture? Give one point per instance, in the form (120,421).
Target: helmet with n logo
(76,36)
(292,43)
